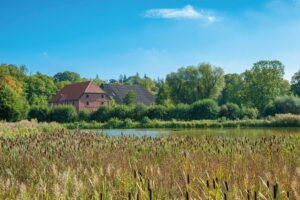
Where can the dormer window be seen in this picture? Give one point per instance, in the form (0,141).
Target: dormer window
(102,96)
(87,103)
(87,96)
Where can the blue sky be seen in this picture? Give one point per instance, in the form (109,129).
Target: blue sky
(153,37)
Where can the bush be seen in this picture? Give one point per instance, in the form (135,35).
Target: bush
(13,107)
(102,114)
(249,113)
(63,113)
(138,112)
(38,112)
(178,112)
(205,109)
(156,112)
(120,112)
(230,111)
(114,123)
(83,115)
(283,105)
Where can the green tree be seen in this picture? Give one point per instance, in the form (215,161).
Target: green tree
(39,112)
(295,83)
(263,83)
(232,91)
(40,89)
(13,107)
(67,76)
(190,84)
(205,109)
(63,114)
(130,98)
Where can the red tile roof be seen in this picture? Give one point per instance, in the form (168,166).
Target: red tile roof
(75,91)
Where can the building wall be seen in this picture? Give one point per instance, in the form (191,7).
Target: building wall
(92,102)
(88,102)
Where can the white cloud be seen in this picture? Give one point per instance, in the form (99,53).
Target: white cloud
(187,12)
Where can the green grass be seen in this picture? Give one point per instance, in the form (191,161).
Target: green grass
(284,120)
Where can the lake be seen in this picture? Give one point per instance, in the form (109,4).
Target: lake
(229,132)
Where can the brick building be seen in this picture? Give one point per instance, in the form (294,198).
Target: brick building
(83,96)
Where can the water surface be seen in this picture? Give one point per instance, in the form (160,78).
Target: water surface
(229,132)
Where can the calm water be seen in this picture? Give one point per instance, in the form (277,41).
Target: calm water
(234,132)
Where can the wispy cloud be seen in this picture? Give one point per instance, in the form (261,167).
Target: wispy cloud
(187,12)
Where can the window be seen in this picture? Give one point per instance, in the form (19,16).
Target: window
(102,96)
(87,96)
(102,103)
(87,103)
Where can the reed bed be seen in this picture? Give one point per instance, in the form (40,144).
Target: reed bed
(64,164)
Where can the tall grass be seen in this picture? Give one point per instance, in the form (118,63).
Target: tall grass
(63,164)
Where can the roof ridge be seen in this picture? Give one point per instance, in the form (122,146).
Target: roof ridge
(87,86)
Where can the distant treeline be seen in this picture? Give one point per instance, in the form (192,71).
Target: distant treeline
(193,92)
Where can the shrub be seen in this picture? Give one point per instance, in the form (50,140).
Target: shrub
(83,115)
(38,112)
(179,112)
(156,112)
(205,109)
(230,111)
(120,112)
(102,114)
(114,123)
(138,112)
(13,107)
(283,105)
(250,113)
(63,113)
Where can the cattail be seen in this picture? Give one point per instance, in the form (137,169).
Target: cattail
(268,184)
(226,185)
(225,196)
(248,195)
(149,189)
(101,196)
(214,184)
(255,195)
(288,194)
(275,188)
(187,196)
(138,196)
(129,196)
(207,183)
(188,179)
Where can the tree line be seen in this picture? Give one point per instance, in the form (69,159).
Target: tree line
(261,88)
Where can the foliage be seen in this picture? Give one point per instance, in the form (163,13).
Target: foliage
(40,88)
(39,113)
(205,109)
(130,98)
(102,114)
(156,112)
(295,84)
(233,89)
(67,76)
(249,113)
(84,115)
(178,112)
(230,111)
(263,83)
(284,105)
(13,107)
(191,84)
(63,113)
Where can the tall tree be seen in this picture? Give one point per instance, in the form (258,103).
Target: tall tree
(263,83)
(295,83)
(13,106)
(232,90)
(67,76)
(190,84)
(40,88)
(130,98)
